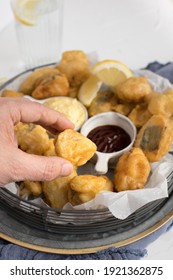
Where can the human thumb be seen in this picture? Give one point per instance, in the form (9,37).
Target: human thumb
(40,168)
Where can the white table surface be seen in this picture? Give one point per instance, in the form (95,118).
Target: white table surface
(132,31)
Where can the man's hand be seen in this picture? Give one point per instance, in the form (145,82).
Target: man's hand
(16,165)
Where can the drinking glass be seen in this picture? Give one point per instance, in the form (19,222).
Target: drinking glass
(38,25)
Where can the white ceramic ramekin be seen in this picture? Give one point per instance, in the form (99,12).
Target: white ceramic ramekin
(108,160)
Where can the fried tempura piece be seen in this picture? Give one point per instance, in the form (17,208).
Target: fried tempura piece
(85,187)
(11,93)
(73,92)
(51,149)
(32,139)
(54,85)
(30,83)
(155,137)
(132,171)
(31,187)
(140,115)
(168,91)
(123,108)
(134,90)
(74,147)
(162,104)
(103,102)
(74,64)
(56,191)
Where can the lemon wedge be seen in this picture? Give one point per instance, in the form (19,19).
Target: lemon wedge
(111,72)
(108,72)
(89,89)
(26,11)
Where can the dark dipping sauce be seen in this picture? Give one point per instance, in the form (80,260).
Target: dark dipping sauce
(109,138)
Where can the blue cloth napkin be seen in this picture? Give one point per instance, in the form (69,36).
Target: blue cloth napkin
(134,251)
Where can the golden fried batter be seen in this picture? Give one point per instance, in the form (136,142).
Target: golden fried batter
(162,104)
(155,137)
(140,115)
(54,85)
(74,64)
(73,92)
(134,89)
(168,91)
(11,93)
(132,171)
(85,187)
(103,102)
(123,108)
(74,147)
(31,187)
(51,149)
(29,84)
(32,139)
(56,191)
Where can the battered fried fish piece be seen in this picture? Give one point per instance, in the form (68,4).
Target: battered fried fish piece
(73,92)
(134,90)
(31,187)
(123,108)
(32,139)
(140,115)
(11,93)
(51,149)
(54,85)
(30,83)
(155,137)
(74,147)
(56,191)
(132,171)
(168,91)
(103,102)
(85,187)
(74,64)
(162,104)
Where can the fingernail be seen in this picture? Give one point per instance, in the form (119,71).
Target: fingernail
(66,169)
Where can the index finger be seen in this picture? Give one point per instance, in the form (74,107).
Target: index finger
(27,111)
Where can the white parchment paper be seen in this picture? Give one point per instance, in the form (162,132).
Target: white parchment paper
(124,203)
